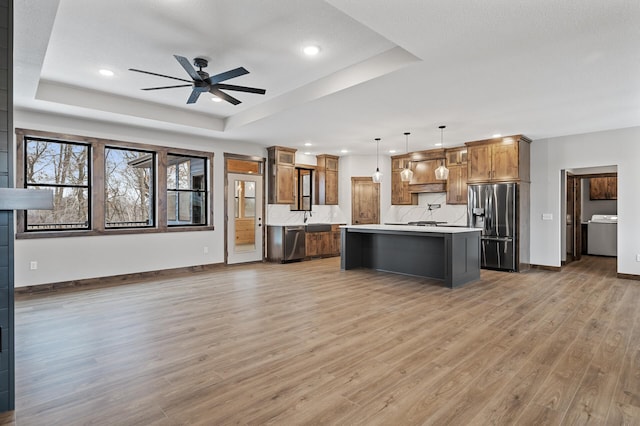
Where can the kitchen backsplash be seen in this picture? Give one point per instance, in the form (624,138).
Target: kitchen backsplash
(278,214)
(455,214)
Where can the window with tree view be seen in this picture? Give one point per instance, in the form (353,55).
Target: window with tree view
(186,190)
(64,168)
(129,181)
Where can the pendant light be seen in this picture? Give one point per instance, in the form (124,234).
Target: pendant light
(442,173)
(377,176)
(407,173)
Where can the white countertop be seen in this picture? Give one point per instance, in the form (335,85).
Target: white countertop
(412,228)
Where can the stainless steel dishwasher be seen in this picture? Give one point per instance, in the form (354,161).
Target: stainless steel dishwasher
(285,243)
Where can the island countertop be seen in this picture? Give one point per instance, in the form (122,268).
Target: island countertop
(412,228)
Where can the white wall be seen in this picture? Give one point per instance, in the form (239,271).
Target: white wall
(72,258)
(619,147)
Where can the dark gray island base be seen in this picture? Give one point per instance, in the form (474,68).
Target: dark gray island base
(448,254)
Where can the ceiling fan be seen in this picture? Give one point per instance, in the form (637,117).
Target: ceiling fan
(202,82)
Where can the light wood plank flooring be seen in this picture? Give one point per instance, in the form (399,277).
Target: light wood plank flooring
(306,343)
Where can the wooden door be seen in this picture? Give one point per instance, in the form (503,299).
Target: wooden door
(365,201)
(573,221)
(504,160)
(479,163)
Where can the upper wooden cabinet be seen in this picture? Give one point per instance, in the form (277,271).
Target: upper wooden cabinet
(457,184)
(282,179)
(327,179)
(456,156)
(603,188)
(499,160)
(400,194)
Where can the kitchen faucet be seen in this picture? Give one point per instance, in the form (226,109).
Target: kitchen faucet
(305,215)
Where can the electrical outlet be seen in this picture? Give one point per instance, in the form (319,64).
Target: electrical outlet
(205,250)
(637,257)
(33,265)
(547,216)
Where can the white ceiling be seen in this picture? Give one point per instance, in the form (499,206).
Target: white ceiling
(542,68)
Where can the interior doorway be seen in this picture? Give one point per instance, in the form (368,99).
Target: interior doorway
(244,207)
(587,193)
(365,201)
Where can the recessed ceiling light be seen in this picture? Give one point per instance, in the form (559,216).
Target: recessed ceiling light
(438,144)
(105,72)
(344,151)
(497,135)
(311,50)
(216,99)
(308,144)
(307,153)
(392,151)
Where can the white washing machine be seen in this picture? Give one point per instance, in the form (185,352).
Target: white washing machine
(603,235)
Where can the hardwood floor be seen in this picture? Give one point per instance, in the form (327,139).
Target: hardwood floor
(306,343)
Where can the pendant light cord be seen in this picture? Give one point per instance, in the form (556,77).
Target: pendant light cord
(377,153)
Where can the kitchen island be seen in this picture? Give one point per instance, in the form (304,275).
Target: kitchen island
(450,254)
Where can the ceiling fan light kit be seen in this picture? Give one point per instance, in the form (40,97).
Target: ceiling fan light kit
(201,82)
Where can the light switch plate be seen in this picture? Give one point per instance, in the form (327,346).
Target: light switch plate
(547,216)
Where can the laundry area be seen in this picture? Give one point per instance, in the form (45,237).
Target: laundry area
(600,216)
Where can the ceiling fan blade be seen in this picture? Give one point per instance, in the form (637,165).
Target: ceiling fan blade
(159,75)
(215,79)
(224,96)
(167,87)
(186,64)
(194,96)
(241,88)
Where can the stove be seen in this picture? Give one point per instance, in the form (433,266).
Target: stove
(425,223)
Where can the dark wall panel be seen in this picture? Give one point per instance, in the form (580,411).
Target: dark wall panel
(7,399)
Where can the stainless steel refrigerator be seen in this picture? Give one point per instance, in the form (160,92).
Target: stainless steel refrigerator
(494,208)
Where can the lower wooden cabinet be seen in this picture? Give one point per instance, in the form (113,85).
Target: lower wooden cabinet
(318,243)
(323,244)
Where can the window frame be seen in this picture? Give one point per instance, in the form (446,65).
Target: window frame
(180,190)
(154,196)
(88,186)
(97,207)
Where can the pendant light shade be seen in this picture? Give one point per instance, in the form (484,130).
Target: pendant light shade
(442,173)
(407,173)
(377,176)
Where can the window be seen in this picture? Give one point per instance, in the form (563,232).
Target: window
(129,183)
(64,168)
(107,187)
(186,190)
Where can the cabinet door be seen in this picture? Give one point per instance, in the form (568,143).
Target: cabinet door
(331,187)
(504,159)
(598,188)
(326,243)
(310,243)
(457,185)
(285,184)
(425,171)
(332,164)
(335,243)
(612,188)
(399,190)
(479,163)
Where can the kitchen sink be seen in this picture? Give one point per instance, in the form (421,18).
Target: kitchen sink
(318,227)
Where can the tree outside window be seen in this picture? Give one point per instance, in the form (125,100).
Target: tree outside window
(129,182)
(64,168)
